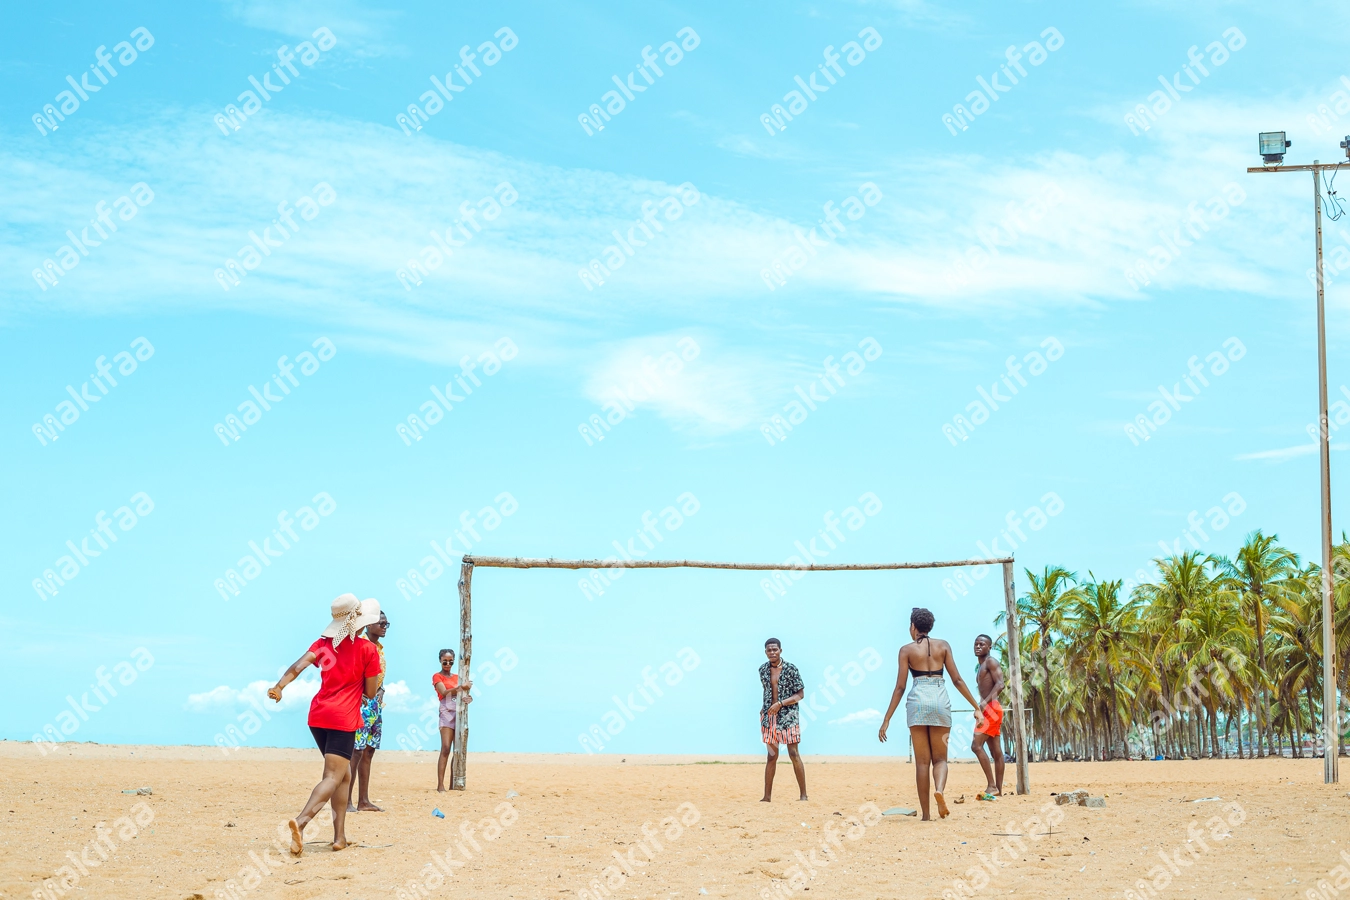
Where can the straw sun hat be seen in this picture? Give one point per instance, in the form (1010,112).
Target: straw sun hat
(350,615)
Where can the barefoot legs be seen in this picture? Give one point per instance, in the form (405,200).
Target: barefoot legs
(335,787)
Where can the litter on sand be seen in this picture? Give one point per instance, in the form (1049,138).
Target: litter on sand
(438,814)
(144,792)
(1207,800)
(510,794)
(900,811)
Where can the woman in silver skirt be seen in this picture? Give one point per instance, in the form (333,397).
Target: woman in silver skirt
(928,711)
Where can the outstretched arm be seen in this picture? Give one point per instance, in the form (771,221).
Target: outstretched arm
(291,674)
(901,678)
(959,682)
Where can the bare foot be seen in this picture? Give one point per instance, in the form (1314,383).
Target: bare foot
(297,839)
(765,800)
(440,789)
(941,804)
(370,807)
(339,845)
(802,797)
(350,808)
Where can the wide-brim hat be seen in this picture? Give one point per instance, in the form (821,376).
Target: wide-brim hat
(350,615)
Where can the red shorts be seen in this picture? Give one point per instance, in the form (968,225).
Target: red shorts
(993,720)
(775,735)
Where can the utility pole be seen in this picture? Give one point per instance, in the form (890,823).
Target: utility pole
(1330,719)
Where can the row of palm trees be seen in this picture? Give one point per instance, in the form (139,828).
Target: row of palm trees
(1217,657)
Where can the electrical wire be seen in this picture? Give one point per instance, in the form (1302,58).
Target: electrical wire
(1335,207)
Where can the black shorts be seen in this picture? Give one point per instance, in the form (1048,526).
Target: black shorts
(330,740)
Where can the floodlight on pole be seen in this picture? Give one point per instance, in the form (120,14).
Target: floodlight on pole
(1273,145)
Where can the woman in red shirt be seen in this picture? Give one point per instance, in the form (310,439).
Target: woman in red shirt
(349,669)
(448,689)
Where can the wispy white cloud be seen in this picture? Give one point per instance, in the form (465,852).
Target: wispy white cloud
(518,276)
(297,694)
(861,717)
(1284,454)
(363,31)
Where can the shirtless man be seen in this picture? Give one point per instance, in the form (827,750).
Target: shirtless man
(778,715)
(989,679)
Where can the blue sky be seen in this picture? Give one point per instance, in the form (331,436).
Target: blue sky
(1054,152)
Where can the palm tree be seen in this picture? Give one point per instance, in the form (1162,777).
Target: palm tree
(1214,647)
(1263,572)
(1042,610)
(1108,630)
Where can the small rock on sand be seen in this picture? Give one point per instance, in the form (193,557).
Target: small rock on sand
(1071,798)
(1094,802)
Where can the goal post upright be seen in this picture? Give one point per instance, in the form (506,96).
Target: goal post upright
(460,761)
(1015,678)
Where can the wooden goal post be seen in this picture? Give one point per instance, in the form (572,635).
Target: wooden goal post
(459,764)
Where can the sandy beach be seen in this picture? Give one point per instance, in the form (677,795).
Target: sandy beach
(215,819)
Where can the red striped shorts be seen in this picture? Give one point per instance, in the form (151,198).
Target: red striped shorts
(775,735)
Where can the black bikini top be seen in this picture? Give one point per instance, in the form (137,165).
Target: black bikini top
(921,671)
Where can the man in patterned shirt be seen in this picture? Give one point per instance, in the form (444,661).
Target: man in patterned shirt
(778,716)
(372,725)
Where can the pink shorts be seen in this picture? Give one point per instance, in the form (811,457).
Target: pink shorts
(449,711)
